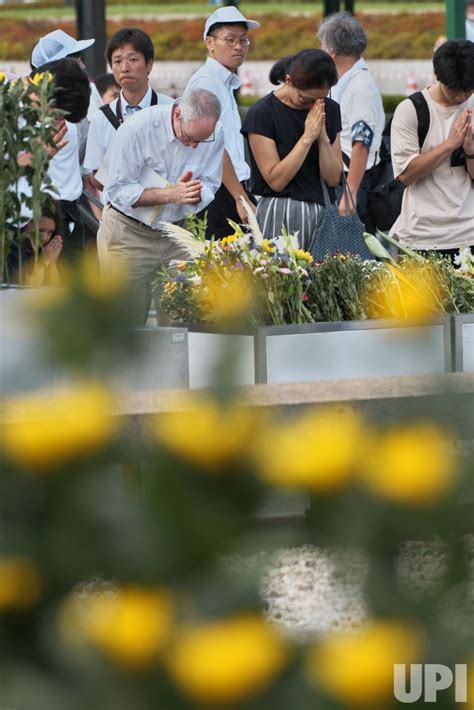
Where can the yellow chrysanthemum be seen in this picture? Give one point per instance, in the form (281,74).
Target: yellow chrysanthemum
(412,293)
(206,434)
(20,583)
(411,464)
(170,287)
(318,451)
(268,247)
(42,433)
(226,241)
(357,668)
(225,294)
(39,76)
(101,283)
(131,626)
(302,255)
(2,76)
(225,661)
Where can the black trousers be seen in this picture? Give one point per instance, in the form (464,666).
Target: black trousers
(221,208)
(72,230)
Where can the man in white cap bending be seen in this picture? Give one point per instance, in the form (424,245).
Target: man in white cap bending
(227,41)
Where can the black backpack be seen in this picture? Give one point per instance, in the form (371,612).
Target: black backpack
(384,202)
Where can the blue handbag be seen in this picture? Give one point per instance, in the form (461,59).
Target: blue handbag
(336,233)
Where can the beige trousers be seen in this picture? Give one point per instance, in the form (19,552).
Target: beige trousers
(137,248)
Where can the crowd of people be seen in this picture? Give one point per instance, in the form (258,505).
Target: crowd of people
(151,159)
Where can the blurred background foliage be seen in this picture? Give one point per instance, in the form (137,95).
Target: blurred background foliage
(391,35)
(115,530)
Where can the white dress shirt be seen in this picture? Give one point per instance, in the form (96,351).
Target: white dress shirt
(64,169)
(101,130)
(362,111)
(215,77)
(148,139)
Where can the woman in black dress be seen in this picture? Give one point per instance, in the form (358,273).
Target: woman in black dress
(293,135)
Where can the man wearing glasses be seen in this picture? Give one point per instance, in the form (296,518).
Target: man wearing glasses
(164,163)
(227,42)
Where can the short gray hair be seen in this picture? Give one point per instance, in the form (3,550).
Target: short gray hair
(342,34)
(199,103)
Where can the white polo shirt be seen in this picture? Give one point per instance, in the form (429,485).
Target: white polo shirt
(215,77)
(147,139)
(362,112)
(101,130)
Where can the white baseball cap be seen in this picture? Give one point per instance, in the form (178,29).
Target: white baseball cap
(57,45)
(228,15)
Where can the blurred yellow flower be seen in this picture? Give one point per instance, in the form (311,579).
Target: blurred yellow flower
(413,292)
(319,451)
(131,625)
(20,583)
(101,283)
(206,433)
(413,463)
(357,667)
(225,294)
(2,76)
(268,246)
(302,255)
(41,433)
(227,660)
(469,704)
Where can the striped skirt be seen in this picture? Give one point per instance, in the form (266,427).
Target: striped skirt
(295,216)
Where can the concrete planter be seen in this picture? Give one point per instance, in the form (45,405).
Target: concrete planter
(463,342)
(24,367)
(324,351)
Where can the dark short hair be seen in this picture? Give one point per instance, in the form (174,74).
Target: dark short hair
(453,64)
(309,69)
(72,89)
(104,82)
(140,41)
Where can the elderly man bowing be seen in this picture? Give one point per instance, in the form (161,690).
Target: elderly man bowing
(163,164)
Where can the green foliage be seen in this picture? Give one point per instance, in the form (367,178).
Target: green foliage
(391,36)
(336,289)
(28,126)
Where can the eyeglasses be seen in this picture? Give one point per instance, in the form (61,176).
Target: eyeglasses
(234,41)
(189,139)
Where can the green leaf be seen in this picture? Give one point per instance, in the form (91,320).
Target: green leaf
(376,248)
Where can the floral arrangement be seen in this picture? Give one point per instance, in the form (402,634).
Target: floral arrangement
(28,125)
(244,272)
(274,282)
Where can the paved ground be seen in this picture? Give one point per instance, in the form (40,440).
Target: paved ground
(171,77)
